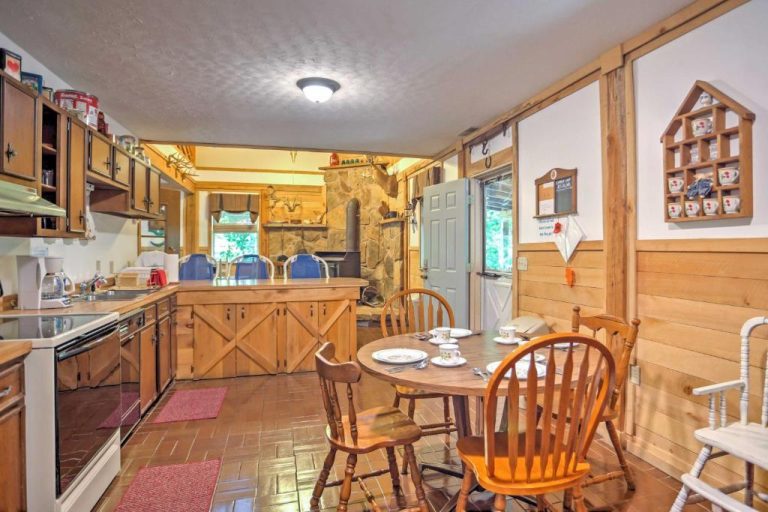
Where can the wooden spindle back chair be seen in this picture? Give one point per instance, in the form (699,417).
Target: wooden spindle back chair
(620,338)
(415,310)
(418,310)
(356,432)
(543,448)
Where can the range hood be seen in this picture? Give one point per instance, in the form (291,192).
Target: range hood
(18,200)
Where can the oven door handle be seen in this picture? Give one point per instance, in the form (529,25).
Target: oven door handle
(66,354)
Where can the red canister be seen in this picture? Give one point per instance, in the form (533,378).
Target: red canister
(84,105)
(334,161)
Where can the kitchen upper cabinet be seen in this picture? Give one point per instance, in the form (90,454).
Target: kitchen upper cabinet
(77,162)
(153,196)
(17,137)
(215,328)
(122,167)
(257,338)
(139,191)
(147,367)
(99,155)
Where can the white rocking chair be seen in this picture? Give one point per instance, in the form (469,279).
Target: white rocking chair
(745,440)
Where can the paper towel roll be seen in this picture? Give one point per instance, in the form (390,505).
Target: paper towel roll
(172,267)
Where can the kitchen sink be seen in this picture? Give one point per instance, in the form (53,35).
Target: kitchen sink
(113,295)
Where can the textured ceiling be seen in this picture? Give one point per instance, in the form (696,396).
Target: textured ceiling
(413,73)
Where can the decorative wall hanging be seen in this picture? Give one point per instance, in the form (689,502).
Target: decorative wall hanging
(556,193)
(708,158)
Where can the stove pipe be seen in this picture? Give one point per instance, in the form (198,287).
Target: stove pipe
(353,225)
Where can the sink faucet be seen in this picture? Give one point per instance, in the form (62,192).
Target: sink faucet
(92,284)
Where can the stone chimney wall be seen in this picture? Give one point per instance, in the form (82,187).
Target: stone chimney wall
(381,247)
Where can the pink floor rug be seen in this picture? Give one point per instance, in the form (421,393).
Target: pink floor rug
(192,404)
(178,488)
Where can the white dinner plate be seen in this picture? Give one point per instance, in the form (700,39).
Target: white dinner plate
(438,341)
(506,341)
(399,355)
(455,332)
(439,361)
(521,368)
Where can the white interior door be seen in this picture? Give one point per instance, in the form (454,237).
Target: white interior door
(496,238)
(446,244)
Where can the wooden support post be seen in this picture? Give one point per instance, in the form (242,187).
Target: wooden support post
(615,212)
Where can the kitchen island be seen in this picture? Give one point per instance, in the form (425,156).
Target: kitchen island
(230,328)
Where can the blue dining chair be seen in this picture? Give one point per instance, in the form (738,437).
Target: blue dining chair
(305,266)
(253,266)
(197,267)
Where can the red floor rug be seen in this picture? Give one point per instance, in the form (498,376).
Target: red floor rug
(178,488)
(192,404)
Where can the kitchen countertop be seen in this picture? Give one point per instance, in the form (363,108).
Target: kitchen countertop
(13,350)
(124,306)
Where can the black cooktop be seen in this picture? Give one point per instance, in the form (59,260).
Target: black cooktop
(35,327)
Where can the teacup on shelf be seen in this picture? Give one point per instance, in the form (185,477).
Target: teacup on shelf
(674,210)
(731,204)
(695,155)
(691,208)
(710,206)
(701,126)
(705,99)
(675,184)
(728,175)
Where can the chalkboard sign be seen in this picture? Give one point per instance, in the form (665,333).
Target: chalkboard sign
(556,193)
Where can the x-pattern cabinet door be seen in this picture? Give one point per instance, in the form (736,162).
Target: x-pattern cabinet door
(308,324)
(256,339)
(301,336)
(215,341)
(336,325)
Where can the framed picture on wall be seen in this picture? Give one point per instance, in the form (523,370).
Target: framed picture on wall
(556,193)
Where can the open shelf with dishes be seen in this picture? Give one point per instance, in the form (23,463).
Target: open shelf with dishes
(708,158)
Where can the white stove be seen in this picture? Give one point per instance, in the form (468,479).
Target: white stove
(72,381)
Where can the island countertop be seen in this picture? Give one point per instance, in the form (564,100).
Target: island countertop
(271,284)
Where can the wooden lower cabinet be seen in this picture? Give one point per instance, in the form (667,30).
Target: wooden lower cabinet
(267,338)
(256,339)
(12,489)
(148,367)
(12,451)
(163,353)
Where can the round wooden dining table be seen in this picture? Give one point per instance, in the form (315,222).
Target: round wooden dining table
(460,382)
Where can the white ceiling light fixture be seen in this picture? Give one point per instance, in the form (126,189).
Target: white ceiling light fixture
(317,89)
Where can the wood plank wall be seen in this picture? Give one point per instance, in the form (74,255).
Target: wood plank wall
(693,296)
(542,289)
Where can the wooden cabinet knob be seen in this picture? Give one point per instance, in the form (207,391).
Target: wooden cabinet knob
(10,152)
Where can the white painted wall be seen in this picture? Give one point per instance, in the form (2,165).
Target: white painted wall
(730,53)
(115,237)
(451,168)
(114,248)
(567,135)
(266,178)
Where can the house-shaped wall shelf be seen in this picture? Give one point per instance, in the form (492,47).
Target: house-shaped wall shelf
(710,137)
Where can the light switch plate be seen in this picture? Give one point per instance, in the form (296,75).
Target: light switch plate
(634,374)
(522,263)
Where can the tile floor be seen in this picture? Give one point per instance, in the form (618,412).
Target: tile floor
(269,436)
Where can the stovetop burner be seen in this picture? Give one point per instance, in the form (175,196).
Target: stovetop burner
(41,326)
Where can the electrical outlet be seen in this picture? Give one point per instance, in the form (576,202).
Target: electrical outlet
(111,267)
(98,265)
(634,374)
(522,263)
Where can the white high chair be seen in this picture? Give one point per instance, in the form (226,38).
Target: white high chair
(745,440)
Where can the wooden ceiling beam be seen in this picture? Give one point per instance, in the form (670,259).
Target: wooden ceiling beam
(255,170)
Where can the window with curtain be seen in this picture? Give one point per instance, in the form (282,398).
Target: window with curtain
(234,234)
(234,225)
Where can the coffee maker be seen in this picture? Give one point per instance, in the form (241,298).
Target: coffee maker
(43,283)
